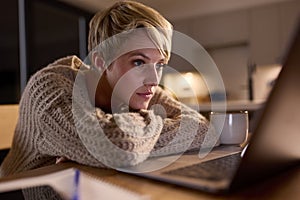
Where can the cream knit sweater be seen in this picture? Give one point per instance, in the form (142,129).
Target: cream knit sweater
(47,127)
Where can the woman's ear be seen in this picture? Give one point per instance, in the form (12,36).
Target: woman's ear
(98,61)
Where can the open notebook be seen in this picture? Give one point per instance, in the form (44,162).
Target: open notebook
(62,182)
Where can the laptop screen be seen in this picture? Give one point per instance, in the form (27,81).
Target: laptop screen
(275,142)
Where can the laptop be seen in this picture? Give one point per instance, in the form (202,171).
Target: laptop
(273,148)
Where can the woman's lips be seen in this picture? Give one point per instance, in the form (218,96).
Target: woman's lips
(146,95)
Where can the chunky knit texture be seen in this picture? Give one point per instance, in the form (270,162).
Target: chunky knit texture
(47,127)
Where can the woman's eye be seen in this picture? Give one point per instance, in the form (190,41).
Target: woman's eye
(138,63)
(160,65)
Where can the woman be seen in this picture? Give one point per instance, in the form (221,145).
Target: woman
(110,112)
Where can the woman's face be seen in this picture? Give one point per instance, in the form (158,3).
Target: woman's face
(134,77)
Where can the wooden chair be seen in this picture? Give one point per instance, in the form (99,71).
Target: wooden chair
(8,120)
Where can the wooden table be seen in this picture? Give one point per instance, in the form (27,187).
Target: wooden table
(283,186)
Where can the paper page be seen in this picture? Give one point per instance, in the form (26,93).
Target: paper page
(95,188)
(64,182)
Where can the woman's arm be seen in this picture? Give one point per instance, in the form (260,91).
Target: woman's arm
(184,128)
(68,129)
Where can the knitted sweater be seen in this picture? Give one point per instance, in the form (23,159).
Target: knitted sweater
(47,128)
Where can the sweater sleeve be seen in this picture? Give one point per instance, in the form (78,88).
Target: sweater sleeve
(183,128)
(87,135)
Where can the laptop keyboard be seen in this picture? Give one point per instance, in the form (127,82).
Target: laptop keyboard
(213,170)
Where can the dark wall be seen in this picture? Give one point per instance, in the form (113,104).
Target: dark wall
(51,31)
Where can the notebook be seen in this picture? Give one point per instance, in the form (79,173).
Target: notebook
(63,181)
(273,147)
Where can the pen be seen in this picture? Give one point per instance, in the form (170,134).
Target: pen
(76,185)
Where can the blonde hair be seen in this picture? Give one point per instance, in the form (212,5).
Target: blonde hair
(125,16)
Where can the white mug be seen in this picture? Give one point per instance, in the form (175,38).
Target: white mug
(231,126)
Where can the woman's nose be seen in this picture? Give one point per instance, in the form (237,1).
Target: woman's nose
(152,76)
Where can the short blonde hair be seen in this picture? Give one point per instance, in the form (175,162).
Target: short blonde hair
(124,16)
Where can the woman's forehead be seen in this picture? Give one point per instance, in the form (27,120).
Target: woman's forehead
(137,40)
(147,53)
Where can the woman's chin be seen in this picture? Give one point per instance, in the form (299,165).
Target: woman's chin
(139,106)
